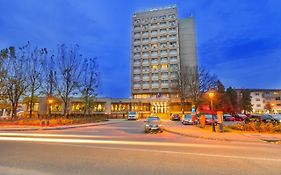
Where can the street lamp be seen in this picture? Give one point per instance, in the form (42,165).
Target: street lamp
(211,95)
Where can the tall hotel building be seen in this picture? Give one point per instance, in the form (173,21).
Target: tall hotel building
(161,45)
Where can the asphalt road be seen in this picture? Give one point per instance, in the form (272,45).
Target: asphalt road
(123,148)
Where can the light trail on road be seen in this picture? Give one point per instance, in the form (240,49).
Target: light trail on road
(51,135)
(16,137)
(76,142)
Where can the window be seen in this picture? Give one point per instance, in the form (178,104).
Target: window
(154,46)
(145,33)
(172,36)
(154,53)
(154,32)
(145,40)
(162,17)
(145,47)
(172,16)
(164,66)
(258,105)
(163,30)
(154,67)
(154,61)
(145,54)
(173,51)
(257,94)
(174,66)
(163,24)
(172,23)
(164,60)
(144,27)
(153,39)
(257,99)
(173,44)
(163,52)
(163,38)
(154,25)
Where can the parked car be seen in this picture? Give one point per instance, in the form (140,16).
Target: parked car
(209,119)
(228,117)
(175,117)
(132,115)
(261,118)
(187,119)
(240,117)
(277,117)
(153,124)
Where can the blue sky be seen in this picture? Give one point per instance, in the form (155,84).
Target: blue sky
(238,40)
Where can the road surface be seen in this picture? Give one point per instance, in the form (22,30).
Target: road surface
(123,148)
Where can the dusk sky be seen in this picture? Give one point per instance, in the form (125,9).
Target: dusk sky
(238,40)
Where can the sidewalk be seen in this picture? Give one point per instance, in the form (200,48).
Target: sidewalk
(33,128)
(196,132)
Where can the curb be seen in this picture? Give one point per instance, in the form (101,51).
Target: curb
(58,127)
(209,138)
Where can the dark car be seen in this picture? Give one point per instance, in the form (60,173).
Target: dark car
(261,118)
(228,117)
(240,117)
(153,124)
(187,119)
(175,117)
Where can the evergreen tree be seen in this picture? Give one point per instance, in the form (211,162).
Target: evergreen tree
(245,103)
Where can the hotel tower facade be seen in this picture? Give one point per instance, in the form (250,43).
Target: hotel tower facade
(161,44)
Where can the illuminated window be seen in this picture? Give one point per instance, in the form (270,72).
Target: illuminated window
(164,66)
(154,67)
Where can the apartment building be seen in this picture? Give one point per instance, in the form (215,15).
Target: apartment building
(263,99)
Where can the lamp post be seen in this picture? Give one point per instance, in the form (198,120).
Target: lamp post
(211,95)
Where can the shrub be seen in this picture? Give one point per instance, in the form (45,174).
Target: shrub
(257,127)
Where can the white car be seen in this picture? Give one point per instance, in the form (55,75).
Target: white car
(277,117)
(132,115)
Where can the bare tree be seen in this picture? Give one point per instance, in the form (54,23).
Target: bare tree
(15,84)
(68,74)
(183,85)
(34,71)
(49,74)
(207,80)
(89,83)
(193,81)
